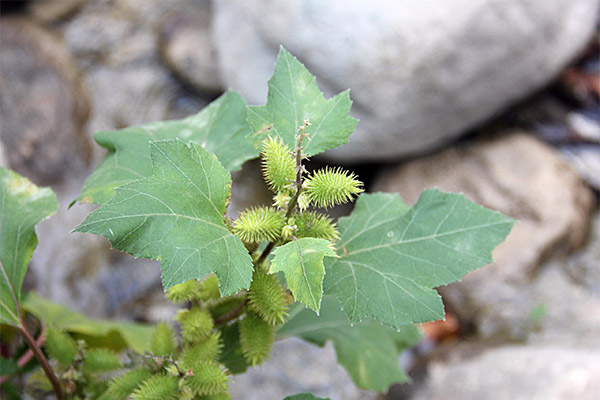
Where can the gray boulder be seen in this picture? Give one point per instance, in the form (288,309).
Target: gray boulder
(421,73)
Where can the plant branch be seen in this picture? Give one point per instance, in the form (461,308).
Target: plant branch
(298,183)
(231,315)
(27,356)
(39,355)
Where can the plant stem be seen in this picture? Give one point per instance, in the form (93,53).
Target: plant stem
(298,183)
(39,355)
(233,314)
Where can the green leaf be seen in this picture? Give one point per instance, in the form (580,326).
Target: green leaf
(108,333)
(8,366)
(294,97)
(176,216)
(232,354)
(391,258)
(220,128)
(22,206)
(369,351)
(301,261)
(305,396)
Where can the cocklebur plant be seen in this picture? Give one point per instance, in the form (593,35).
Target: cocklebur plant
(276,271)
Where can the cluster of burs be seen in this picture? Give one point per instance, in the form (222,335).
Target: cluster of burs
(191,364)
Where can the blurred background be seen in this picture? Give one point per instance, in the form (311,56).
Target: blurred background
(495,99)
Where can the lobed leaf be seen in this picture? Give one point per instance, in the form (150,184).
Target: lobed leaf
(176,216)
(301,261)
(368,351)
(221,128)
(391,257)
(22,206)
(294,97)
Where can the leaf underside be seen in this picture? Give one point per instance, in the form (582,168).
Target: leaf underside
(392,256)
(176,216)
(301,261)
(368,351)
(220,128)
(293,97)
(22,206)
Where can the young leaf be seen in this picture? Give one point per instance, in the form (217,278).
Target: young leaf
(301,261)
(390,258)
(220,128)
(22,206)
(369,351)
(176,216)
(294,97)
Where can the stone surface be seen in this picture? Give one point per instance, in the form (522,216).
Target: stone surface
(116,47)
(521,177)
(295,367)
(186,46)
(51,10)
(43,106)
(517,373)
(421,73)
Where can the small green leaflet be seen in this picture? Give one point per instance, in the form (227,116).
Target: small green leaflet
(220,128)
(294,97)
(176,216)
(22,206)
(369,350)
(301,261)
(391,259)
(112,334)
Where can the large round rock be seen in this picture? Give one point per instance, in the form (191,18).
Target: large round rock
(421,73)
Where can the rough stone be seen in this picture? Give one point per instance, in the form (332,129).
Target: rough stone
(524,178)
(43,106)
(295,367)
(186,46)
(517,373)
(421,73)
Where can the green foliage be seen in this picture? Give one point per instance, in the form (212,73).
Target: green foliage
(220,128)
(22,206)
(166,200)
(391,256)
(331,186)
(256,337)
(279,166)
(267,297)
(369,351)
(162,341)
(111,334)
(101,360)
(121,387)
(301,261)
(61,347)
(294,97)
(261,224)
(176,216)
(158,387)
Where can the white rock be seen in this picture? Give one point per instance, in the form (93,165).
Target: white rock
(421,73)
